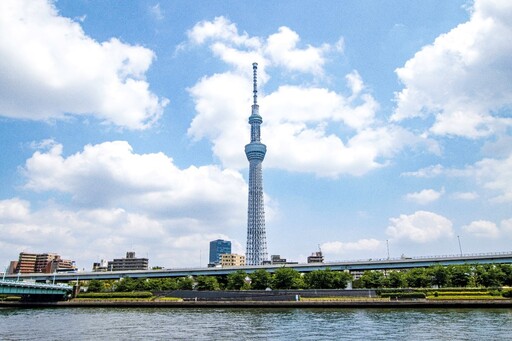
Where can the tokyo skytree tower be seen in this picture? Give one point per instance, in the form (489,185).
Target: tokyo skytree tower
(255,152)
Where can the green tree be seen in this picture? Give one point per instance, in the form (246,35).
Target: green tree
(507,272)
(95,285)
(327,279)
(161,284)
(341,280)
(489,275)
(287,278)
(372,279)
(127,284)
(260,280)
(396,279)
(237,281)
(185,283)
(439,275)
(207,283)
(418,278)
(460,275)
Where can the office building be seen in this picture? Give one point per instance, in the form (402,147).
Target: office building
(217,248)
(232,259)
(128,263)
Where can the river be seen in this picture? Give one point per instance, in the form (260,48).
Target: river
(254,324)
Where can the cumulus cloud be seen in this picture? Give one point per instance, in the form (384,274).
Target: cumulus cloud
(420,227)
(482,228)
(121,201)
(302,125)
(85,235)
(111,175)
(428,172)
(463,78)
(50,69)
(495,175)
(340,248)
(506,227)
(425,196)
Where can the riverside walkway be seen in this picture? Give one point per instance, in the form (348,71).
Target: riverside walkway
(357,265)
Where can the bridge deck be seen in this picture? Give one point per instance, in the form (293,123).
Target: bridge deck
(28,288)
(359,265)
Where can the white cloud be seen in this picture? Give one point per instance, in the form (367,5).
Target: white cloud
(463,77)
(156,12)
(339,248)
(425,196)
(492,174)
(296,127)
(506,227)
(420,227)
(219,29)
(50,68)
(496,175)
(428,172)
(111,175)
(14,209)
(281,48)
(88,235)
(482,228)
(465,195)
(306,128)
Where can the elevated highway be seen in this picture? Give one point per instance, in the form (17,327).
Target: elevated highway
(357,265)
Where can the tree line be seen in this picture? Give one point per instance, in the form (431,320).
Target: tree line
(457,276)
(489,275)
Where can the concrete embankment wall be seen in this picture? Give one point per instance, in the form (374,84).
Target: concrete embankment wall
(262,295)
(419,304)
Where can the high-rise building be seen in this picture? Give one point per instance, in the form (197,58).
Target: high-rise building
(41,262)
(255,151)
(217,248)
(128,263)
(26,263)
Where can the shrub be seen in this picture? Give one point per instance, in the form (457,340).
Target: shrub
(139,294)
(507,294)
(402,295)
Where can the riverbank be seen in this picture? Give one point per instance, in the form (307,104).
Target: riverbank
(265,304)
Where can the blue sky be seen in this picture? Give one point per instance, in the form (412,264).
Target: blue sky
(123,125)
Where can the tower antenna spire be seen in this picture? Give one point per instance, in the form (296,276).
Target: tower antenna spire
(255,83)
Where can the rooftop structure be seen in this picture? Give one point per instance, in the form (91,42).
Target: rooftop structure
(128,263)
(316,257)
(255,151)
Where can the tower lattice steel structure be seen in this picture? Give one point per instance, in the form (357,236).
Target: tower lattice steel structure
(255,151)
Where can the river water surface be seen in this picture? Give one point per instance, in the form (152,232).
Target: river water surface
(254,324)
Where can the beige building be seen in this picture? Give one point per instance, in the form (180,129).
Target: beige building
(232,259)
(40,263)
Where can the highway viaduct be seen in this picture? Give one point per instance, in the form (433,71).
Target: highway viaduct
(358,265)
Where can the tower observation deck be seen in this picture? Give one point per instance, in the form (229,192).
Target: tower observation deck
(255,151)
